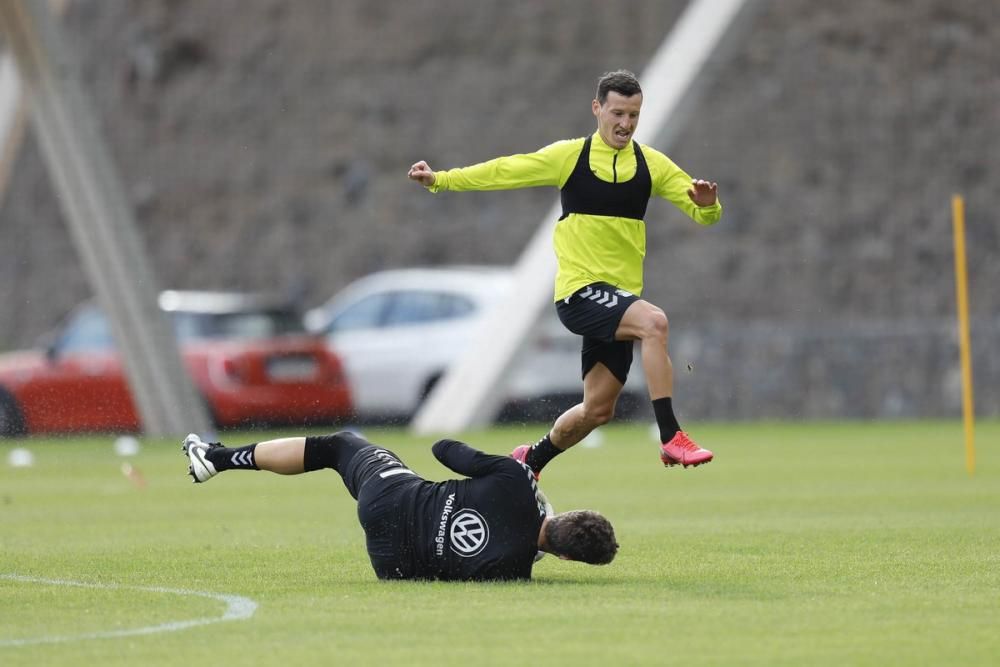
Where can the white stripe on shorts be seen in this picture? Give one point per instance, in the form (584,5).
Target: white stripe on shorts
(396,471)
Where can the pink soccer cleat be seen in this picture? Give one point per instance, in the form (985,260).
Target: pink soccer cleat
(520,454)
(681,450)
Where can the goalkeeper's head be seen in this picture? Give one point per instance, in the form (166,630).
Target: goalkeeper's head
(582,535)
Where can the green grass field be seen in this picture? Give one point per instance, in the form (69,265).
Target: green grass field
(802,544)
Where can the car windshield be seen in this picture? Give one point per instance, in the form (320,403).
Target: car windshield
(90,330)
(401,308)
(236,326)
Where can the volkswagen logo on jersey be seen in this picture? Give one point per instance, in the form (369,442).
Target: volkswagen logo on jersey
(469,533)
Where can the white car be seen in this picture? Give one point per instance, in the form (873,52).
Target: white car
(398,331)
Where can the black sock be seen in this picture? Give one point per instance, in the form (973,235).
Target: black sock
(541,453)
(663,408)
(235,458)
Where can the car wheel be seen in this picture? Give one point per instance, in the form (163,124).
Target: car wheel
(11,420)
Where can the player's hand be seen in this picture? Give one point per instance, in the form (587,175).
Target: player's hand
(703,193)
(422,173)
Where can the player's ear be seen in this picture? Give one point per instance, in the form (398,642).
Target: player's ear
(595,107)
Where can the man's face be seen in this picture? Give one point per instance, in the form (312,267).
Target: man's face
(617,118)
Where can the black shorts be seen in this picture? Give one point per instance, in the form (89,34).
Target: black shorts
(595,312)
(377,478)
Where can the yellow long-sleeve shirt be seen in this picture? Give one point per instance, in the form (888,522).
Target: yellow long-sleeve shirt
(589,248)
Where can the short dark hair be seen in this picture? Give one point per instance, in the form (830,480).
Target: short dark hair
(582,535)
(620,81)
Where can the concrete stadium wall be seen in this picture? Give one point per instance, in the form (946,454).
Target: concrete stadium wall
(265,145)
(866,370)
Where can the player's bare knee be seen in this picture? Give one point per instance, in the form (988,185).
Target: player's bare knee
(599,414)
(605,416)
(655,325)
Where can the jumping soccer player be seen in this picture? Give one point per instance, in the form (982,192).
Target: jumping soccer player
(489,527)
(606,181)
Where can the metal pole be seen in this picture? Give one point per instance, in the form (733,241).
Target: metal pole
(100,220)
(964,339)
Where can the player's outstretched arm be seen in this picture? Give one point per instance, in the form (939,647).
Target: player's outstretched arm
(466,460)
(422,173)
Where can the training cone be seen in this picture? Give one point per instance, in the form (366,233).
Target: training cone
(20,458)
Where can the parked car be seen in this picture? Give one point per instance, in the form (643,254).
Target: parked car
(249,357)
(398,331)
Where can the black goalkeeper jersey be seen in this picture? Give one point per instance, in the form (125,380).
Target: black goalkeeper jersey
(481,528)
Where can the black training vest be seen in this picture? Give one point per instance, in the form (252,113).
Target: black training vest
(585,193)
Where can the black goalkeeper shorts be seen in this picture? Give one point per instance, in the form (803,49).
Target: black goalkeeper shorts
(595,312)
(378,479)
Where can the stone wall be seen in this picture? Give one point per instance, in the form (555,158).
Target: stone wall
(264,145)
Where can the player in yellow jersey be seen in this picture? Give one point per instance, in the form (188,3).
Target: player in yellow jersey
(605,182)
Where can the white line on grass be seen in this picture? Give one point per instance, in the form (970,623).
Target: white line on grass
(237,608)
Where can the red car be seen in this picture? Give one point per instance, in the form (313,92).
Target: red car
(249,357)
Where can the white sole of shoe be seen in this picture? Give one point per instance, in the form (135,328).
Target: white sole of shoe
(200,468)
